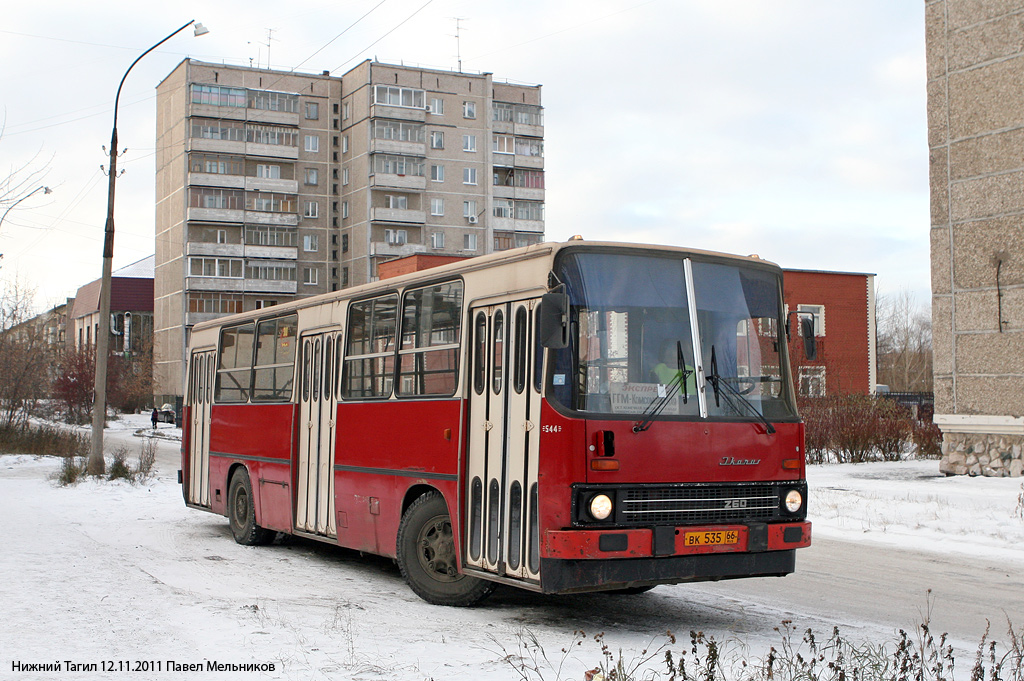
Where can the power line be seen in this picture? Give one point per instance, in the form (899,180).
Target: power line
(403,22)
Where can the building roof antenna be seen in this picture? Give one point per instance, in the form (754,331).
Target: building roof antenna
(458,40)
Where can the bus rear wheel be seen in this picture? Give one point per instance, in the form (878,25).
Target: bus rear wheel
(426,556)
(242,512)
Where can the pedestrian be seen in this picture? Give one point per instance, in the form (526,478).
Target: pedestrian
(152,417)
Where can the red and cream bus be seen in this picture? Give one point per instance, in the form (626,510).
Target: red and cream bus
(563,418)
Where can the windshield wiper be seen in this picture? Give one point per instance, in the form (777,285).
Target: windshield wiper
(657,406)
(733,396)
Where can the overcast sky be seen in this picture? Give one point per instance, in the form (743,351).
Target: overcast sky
(795,129)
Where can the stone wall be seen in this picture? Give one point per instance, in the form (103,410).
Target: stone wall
(982,454)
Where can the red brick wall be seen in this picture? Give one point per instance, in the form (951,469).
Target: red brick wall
(414,263)
(844,350)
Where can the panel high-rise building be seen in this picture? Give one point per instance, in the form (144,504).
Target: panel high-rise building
(276,185)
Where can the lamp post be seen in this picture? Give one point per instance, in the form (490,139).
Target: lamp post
(96,464)
(45,190)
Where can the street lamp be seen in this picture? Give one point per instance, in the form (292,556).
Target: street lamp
(96,465)
(45,190)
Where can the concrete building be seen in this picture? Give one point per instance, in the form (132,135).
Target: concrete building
(976,141)
(131,310)
(273,185)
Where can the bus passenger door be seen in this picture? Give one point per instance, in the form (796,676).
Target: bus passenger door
(314,503)
(504,414)
(201,370)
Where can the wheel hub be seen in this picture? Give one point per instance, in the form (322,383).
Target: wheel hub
(437,550)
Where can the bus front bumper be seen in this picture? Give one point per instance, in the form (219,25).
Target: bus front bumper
(588,560)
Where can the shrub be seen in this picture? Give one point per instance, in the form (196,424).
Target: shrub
(927,439)
(855,428)
(72,469)
(119,469)
(43,440)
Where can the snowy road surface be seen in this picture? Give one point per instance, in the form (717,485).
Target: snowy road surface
(110,572)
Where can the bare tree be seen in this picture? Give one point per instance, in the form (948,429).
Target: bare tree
(904,342)
(23,356)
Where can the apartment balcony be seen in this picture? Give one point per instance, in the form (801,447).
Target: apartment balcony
(271,150)
(237,113)
(528,130)
(218,146)
(216,215)
(268,185)
(257,217)
(193,318)
(513,225)
(214,284)
(398,181)
(273,252)
(418,217)
(521,193)
(265,116)
(502,127)
(220,250)
(529,161)
(217,180)
(398,147)
(398,113)
(270,286)
(396,250)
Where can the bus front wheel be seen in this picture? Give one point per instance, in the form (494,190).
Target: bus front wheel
(426,556)
(242,512)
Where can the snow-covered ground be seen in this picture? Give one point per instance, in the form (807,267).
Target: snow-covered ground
(107,572)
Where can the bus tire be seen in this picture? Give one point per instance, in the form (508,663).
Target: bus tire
(426,556)
(242,512)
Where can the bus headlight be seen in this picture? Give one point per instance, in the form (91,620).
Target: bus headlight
(794,500)
(600,507)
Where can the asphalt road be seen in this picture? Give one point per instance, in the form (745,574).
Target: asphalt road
(863,588)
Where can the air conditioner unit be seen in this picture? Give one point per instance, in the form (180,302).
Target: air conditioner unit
(472,219)
(427,108)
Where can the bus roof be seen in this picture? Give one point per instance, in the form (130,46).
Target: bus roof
(508,257)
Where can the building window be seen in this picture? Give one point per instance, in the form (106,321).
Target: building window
(223,268)
(469,242)
(398,165)
(310,243)
(344,209)
(437,173)
(529,146)
(437,140)
(437,206)
(503,208)
(312,176)
(218,129)
(529,210)
(504,144)
(311,209)
(469,176)
(310,276)
(273,101)
(269,235)
(502,112)
(222,236)
(344,176)
(469,109)
(344,144)
(812,381)
(436,106)
(218,95)
(271,134)
(261,304)
(312,143)
(396,202)
(469,209)
(270,270)
(215,303)
(312,110)
(392,95)
(270,202)
(396,237)
(268,172)
(469,142)
(344,111)
(344,243)
(817,315)
(344,276)
(400,131)
(216,164)
(437,240)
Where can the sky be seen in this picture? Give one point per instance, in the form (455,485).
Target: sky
(793,129)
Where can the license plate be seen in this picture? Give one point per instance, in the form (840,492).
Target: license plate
(720,538)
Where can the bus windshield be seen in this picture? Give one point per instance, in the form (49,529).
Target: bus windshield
(640,346)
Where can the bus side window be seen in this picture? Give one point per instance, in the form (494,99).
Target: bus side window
(479,353)
(234,364)
(521,350)
(370,354)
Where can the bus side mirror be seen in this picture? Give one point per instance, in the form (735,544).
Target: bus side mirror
(807,333)
(553,320)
